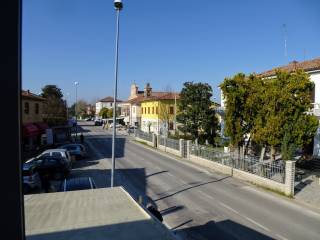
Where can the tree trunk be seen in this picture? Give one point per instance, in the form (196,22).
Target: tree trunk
(273,153)
(247,147)
(263,150)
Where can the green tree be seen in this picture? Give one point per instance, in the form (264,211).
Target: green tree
(238,120)
(106,113)
(55,110)
(196,114)
(272,111)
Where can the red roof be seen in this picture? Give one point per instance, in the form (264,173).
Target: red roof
(108,99)
(30,95)
(307,66)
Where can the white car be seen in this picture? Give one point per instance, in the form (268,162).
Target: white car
(61,153)
(117,125)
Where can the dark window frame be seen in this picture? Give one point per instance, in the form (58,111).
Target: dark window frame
(171,110)
(26,108)
(36,108)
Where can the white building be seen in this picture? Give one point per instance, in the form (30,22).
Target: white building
(106,102)
(124,111)
(312,67)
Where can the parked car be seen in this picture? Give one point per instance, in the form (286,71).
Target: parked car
(131,129)
(31,178)
(98,122)
(54,167)
(117,125)
(79,183)
(58,152)
(77,150)
(89,119)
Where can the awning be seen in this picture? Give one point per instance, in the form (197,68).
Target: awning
(42,127)
(30,130)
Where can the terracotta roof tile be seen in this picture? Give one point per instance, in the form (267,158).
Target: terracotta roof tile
(309,65)
(30,95)
(108,99)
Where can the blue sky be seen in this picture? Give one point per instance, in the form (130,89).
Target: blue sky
(162,42)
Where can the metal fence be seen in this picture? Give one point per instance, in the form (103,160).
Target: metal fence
(143,135)
(272,170)
(169,142)
(210,154)
(161,140)
(173,143)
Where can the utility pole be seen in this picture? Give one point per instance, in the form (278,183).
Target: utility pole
(175,112)
(67,106)
(118,6)
(76,109)
(285,42)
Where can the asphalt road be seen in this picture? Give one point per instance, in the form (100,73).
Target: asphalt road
(196,203)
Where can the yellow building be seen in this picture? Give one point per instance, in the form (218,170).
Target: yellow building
(158,113)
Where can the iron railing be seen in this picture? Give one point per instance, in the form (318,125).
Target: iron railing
(143,135)
(173,143)
(271,170)
(169,142)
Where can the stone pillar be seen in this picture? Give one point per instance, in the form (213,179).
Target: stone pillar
(158,141)
(154,140)
(188,148)
(181,147)
(165,143)
(289,178)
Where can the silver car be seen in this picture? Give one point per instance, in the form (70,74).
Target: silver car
(75,149)
(31,178)
(58,152)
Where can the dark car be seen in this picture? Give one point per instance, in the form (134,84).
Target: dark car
(98,122)
(31,178)
(79,183)
(52,167)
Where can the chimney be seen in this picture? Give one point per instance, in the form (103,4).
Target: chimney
(147,90)
(294,62)
(134,91)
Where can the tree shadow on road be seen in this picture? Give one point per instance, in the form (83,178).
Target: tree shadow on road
(191,187)
(103,145)
(223,230)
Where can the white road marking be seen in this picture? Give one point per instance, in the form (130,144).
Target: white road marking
(281,237)
(207,195)
(177,179)
(256,223)
(230,208)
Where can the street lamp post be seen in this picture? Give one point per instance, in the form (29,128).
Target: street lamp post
(76,108)
(67,107)
(118,6)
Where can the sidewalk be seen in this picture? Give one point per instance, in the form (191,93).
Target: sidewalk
(308,190)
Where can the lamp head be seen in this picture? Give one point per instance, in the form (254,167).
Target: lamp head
(118,4)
